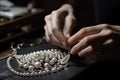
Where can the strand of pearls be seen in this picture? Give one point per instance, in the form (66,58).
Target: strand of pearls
(38,63)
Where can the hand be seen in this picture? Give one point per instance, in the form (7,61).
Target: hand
(97,42)
(59,25)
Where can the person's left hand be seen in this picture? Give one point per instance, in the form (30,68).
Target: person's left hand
(97,42)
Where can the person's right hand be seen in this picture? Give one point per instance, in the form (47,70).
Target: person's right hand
(59,25)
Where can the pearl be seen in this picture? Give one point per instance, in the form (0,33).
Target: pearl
(25,66)
(44,72)
(27,74)
(60,67)
(48,60)
(48,71)
(65,59)
(40,73)
(41,61)
(53,61)
(54,69)
(46,65)
(21,74)
(21,64)
(37,64)
(31,68)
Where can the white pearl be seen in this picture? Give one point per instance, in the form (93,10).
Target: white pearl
(44,72)
(35,73)
(36,59)
(17,73)
(21,64)
(21,74)
(25,66)
(53,61)
(40,73)
(31,68)
(54,69)
(65,59)
(41,61)
(32,74)
(60,67)
(47,59)
(27,74)
(50,56)
(46,65)
(46,69)
(42,57)
(37,64)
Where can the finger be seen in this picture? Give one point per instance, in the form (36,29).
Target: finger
(85,52)
(46,34)
(91,40)
(108,42)
(53,40)
(49,34)
(69,24)
(57,28)
(88,53)
(84,32)
(48,27)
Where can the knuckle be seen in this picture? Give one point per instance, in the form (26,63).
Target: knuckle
(53,12)
(105,25)
(84,30)
(109,32)
(87,40)
(44,27)
(47,17)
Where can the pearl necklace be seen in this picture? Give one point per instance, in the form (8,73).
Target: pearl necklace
(38,62)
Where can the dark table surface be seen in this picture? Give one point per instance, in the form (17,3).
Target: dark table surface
(77,69)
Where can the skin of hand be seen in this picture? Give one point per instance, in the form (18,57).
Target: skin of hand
(97,42)
(59,25)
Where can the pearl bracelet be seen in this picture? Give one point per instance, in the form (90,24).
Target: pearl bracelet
(38,63)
